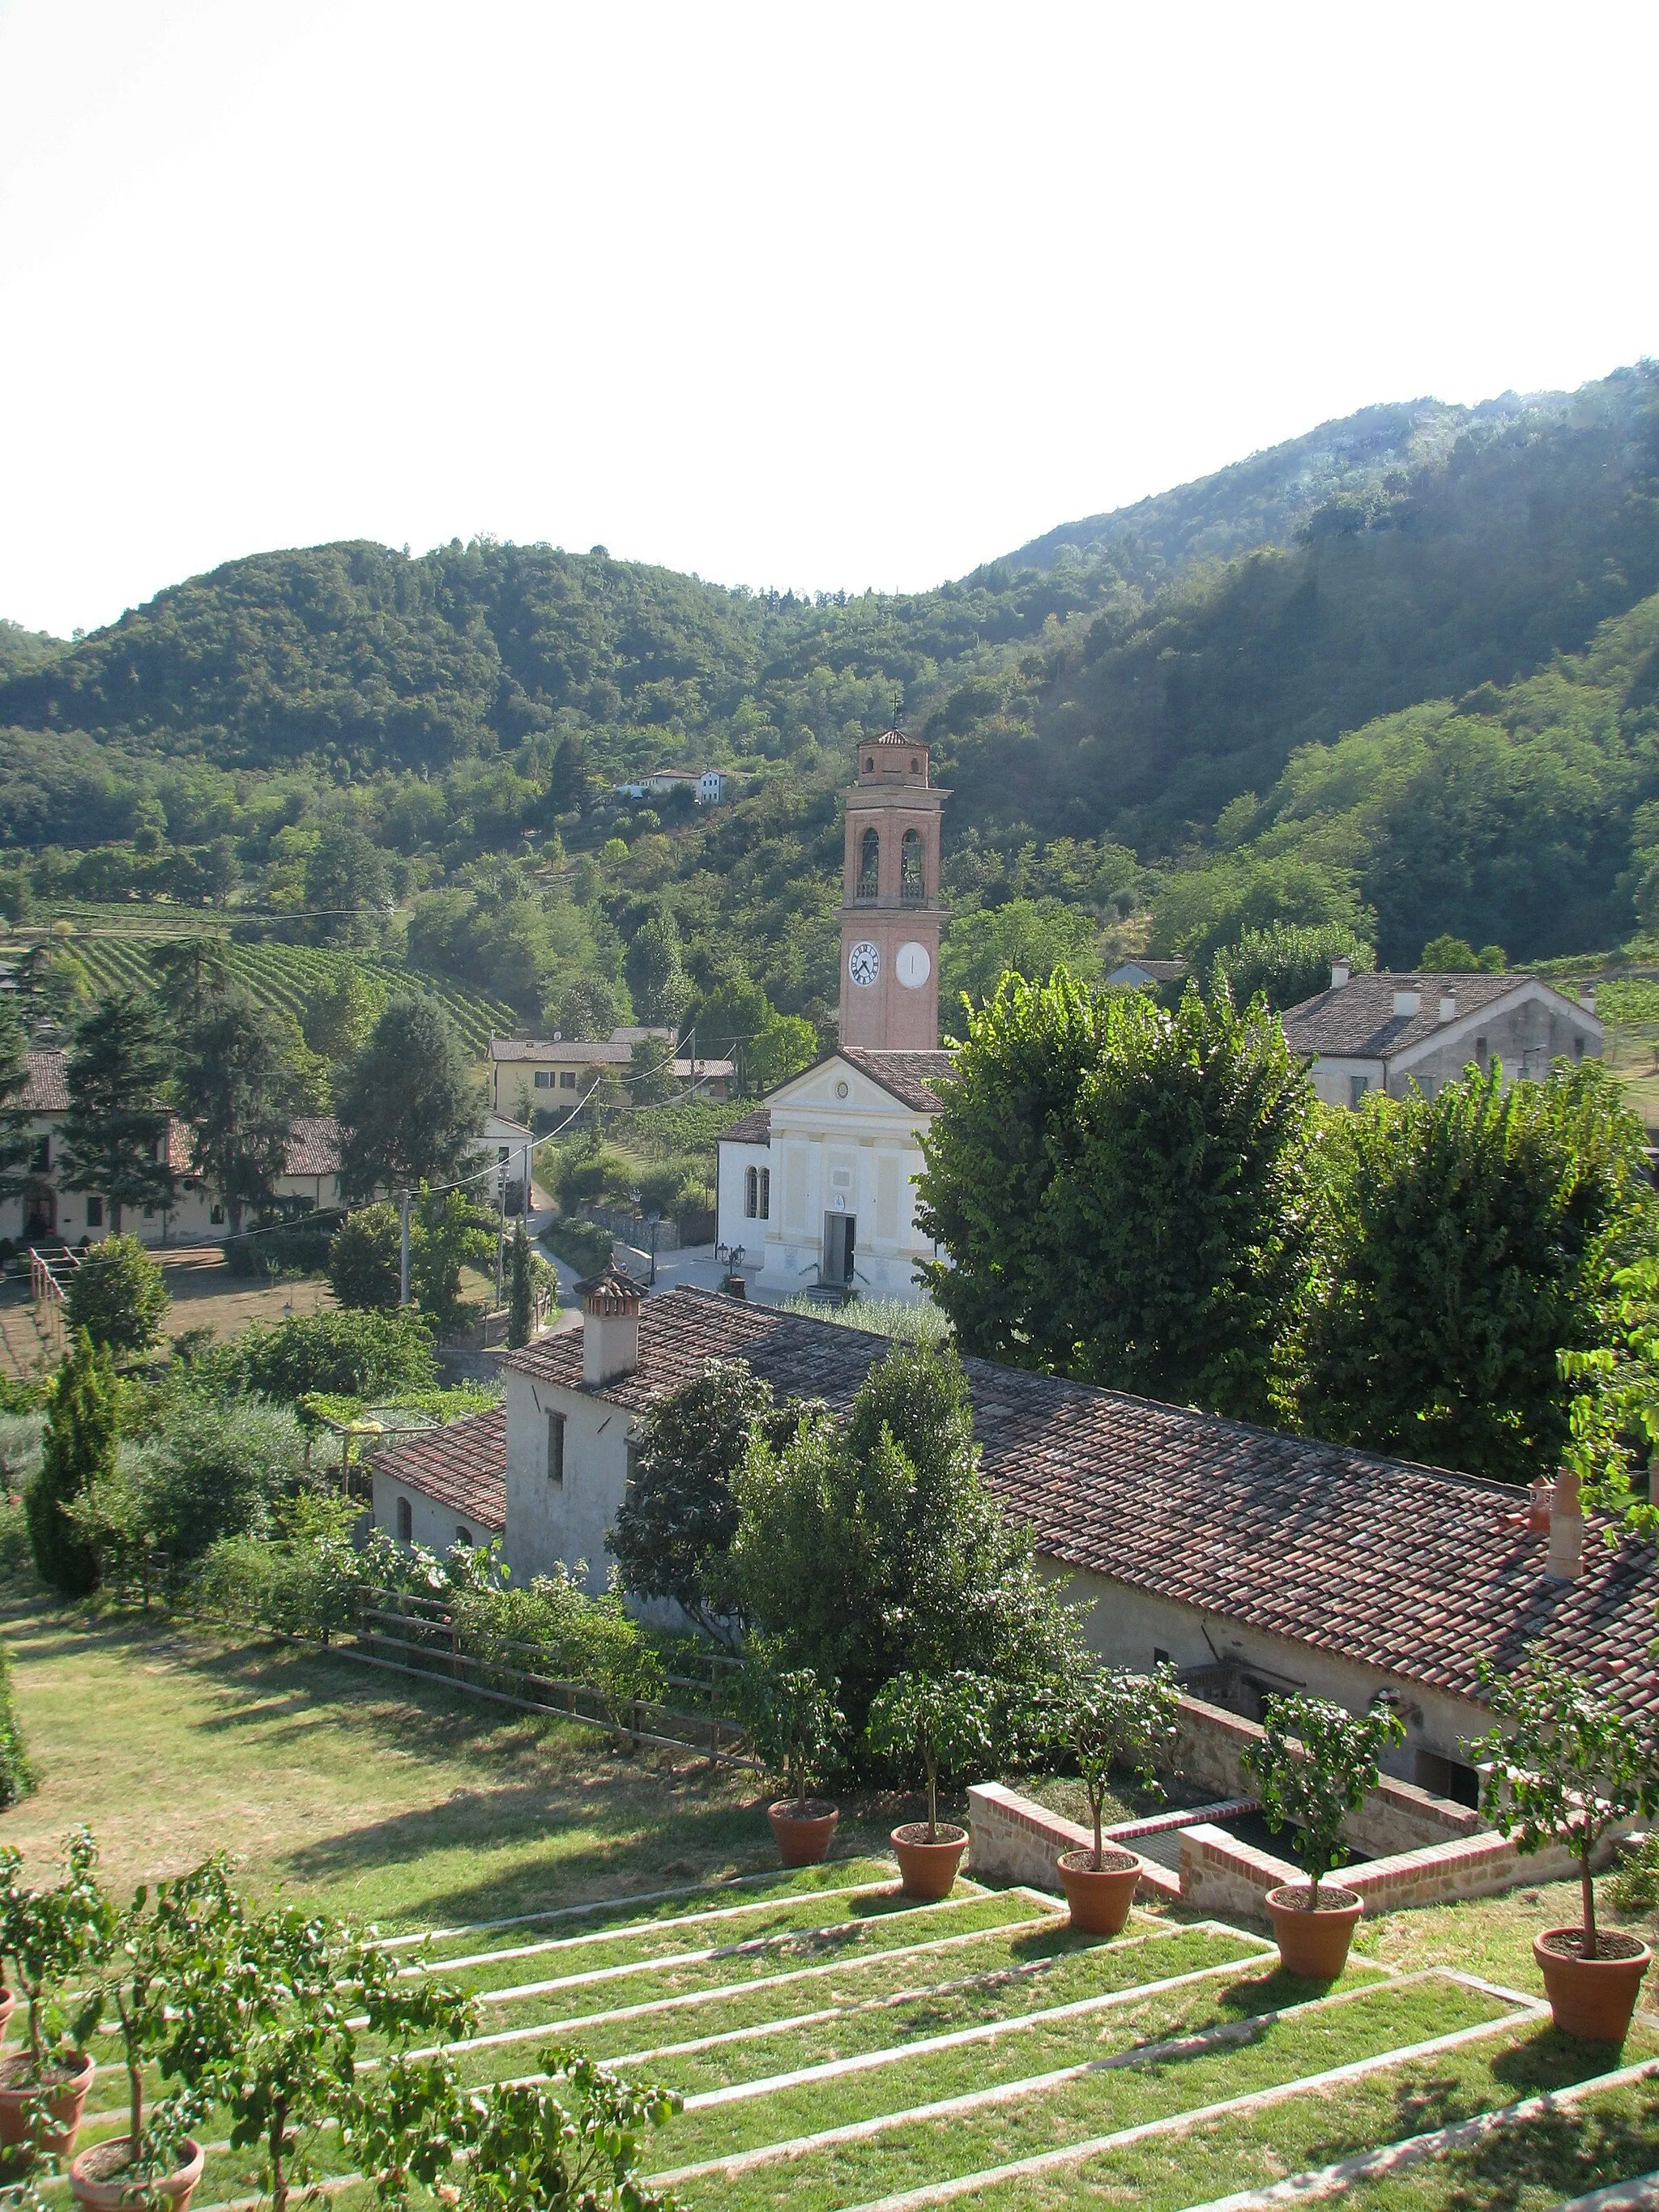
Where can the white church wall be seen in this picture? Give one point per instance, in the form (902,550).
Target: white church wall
(735,1226)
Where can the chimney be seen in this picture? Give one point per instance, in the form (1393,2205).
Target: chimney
(1341,972)
(1408,1002)
(611,1326)
(1566,1562)
(1587,998)
(1448,1007)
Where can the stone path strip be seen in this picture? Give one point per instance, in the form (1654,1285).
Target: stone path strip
(1412,2150)
(1003,2093)
(1640,2194)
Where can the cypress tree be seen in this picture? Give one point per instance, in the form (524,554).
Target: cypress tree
(519,1312)
(83,1428)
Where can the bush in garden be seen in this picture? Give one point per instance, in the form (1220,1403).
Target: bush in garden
(941,1724)
(520,1303)
(1566,1765)
(215,1469)
(117,1296)
(1313,1767)
(1111,1718)
(17,1774)
(357,1355)
(365,1259)
(542,2148)
(78,1449)
(793,1722)
(48,1935)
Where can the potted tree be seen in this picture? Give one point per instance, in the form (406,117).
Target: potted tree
(536,2148)
(162,1945)
(1313,1767)
(1113,1718)
(793,1725)
(1565,1766)
(932,1721)
(47,1934)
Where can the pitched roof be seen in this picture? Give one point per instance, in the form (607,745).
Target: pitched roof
(754,1128)
(462,1466)
(570,1052)
(46,1086)
(914,1077)
(1411,1569)
(1155,971)
(313,1146)
(1356,1020)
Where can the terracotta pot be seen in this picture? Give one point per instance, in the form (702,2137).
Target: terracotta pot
(928,1870)
(1314,1945)
(8,2006)
(1591,1998)
(64,2103)
(804,1832)
(1099,1896)
(121,2195)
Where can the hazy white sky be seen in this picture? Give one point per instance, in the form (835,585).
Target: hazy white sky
(822,296)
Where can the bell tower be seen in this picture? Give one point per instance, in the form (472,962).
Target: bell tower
(891,915)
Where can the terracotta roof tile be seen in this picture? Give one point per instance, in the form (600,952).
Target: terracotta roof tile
(914,1077)
(313,1146)
(1408,1569)
(46,1087)
(462,1466)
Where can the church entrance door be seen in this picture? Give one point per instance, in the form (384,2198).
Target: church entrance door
(840,1234)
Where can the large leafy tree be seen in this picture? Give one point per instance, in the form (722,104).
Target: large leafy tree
(238,1087)
(1126,1194)
(662,990)
(117,1296)
(869,1546)
(115,1133)
(1473,1238)
(1287,962)
(346,885)
(16,1143)
(409,1105)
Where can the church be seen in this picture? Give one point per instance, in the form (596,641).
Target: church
(818,1183)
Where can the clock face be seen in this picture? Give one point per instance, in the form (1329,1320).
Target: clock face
(864,962)
(912,966)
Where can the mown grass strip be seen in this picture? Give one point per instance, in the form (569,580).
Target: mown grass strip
(1061,2115)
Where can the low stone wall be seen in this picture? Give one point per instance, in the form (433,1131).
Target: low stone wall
(1012,1839)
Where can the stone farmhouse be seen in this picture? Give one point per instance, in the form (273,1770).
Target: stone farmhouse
(1257,1563)
(1386,1032)
(556,1073)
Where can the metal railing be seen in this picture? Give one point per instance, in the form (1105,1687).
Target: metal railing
(48,1274)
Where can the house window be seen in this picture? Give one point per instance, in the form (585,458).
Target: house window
(567,1079)
(464,1538)
(1578,1048)
(1447,1778)
(216,1215)
(911,888)
(869,882)
(543,1079)
(1160,1656)
(757,1194)
(555,1448)
(1358,1086)
(41,1158)
(405,1521)
(1481,1050)
(94,1213)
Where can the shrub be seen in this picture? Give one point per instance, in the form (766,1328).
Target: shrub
(793,1720)
(937,1722)
(357,1355)
(276,1254)
(215,1469)
(539,2151)
(1313,1767)
(580,1245)
(83,1428)
(19,1449)
(16,1775)
(117,1296)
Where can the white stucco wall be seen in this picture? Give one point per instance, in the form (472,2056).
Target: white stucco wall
(735,1226)
(547,1522)
(1539,1028)
(433,1526)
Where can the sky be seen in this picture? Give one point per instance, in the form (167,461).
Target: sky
(811,297)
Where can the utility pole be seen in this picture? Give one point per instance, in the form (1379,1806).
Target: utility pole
(501,1223)
(403,1259)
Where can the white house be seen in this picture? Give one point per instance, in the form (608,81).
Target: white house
(557,1074)
(712,787)
(1389,1031)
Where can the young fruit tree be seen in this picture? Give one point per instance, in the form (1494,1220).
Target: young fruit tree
(1112,1718)
(940,1723)
(49,1935)
(1313,1767)
(793,1724)
(538,2151)
(1566,1764)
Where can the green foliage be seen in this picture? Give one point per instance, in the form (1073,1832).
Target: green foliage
(940,1723)
(450,1231)
(580,1245)
(365,1259)
(662,991)
(1635,1886)
(1108,1718)
(277,1255)
(238,1087)
(359,1355)
(551,1628)
(1454,956)
(78,1449)
(893,1317)
(673,1533)
(114,1133)
(1313,1767)
(17,1139)
(793,1720)
(47,1936)
(1126,1194)
(1286,964)
(1471,1240)
(118,1295)
(520,1307)
(408,1106)
(1202,910)
(1028,937)
(346,890)
(1565,1765)
(214,1467)
(868,1546)
(191,974)
(17,1775)
(539,2151)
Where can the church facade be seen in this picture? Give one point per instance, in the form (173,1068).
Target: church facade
(817,1185)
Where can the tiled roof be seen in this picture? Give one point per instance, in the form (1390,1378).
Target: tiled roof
(462,1466)
(313,1146)
(1407,1568)
(914,1077)
(1356,1021)
(1155,971)
(754,1128)
(46,1087)
(570,1052)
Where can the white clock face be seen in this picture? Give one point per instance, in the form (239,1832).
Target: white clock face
(864,962)
(912,966)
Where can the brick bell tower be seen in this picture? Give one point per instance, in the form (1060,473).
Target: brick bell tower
(891,915)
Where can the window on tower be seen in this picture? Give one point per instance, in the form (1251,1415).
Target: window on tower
(870,864)
(912,890)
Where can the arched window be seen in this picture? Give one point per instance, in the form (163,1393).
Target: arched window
(916,767)
(405,1522)
(870,864)
(464,1538)
(766,1194)
(750,1194)
(912,889)
(869,767)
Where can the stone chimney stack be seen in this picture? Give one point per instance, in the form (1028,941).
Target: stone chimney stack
(1448,1007)
(1341,972)
(1408,1002)
(1566,1562)
(611,1326)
